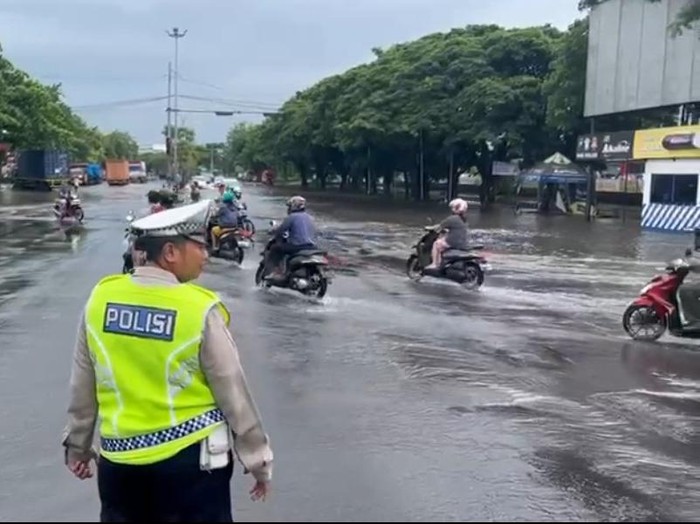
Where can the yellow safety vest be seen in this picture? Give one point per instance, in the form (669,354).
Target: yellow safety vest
(144,341)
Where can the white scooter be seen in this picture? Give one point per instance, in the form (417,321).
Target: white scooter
(129,238)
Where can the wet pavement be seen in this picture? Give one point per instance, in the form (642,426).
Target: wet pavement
(389,399)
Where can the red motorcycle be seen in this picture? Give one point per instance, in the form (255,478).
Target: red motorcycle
(657,308)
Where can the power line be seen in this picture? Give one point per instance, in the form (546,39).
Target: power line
(199,83)
(121,103)
(98,78)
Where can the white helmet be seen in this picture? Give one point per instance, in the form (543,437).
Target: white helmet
(459,206)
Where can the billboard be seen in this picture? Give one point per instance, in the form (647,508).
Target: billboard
(667,142)
(606,147)
(634,61)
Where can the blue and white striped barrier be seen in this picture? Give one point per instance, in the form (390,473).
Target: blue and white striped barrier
(669,217)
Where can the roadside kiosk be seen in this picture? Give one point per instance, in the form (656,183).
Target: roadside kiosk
(671,201)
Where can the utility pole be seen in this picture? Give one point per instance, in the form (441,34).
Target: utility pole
(168,128)
(176,34)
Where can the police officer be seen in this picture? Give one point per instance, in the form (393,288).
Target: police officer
(155,360)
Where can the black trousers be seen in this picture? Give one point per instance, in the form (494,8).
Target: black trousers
(174,490)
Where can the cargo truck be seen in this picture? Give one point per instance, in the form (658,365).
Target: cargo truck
(41,169)
(117,172)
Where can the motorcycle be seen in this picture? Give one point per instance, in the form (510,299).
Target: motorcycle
(75,210)
(231,243)
(466,267)
(303,272)
(658,309)
(128,265)
(243,221)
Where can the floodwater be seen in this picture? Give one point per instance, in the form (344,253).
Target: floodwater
(389,399)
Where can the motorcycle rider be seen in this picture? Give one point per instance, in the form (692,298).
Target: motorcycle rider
(65,194)
(154,198)
(167,199)
(296,233)
(456,237)
(221,187)
(238,194)
(227,218)
(194,191)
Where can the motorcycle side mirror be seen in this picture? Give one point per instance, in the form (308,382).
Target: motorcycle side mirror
(273,223)
(130,217)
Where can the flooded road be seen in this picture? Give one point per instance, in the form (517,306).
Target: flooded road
(389,399)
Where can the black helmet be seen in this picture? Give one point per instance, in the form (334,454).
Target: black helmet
(153,196)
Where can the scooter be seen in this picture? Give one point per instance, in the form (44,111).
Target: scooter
(127,256)
(75,210)
(303,272)
(658,307)
(464,267)
(232,241)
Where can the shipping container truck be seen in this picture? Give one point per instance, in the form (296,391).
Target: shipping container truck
(41,169)
(117,172)
(87,174)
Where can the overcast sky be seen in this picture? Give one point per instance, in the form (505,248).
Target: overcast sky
(245,53)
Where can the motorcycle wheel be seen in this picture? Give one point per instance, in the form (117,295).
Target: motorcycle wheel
(79,215)
(234,247)
(473,276)
(413,268)
(643,323)
(259,276)
(249,226)
(322,288)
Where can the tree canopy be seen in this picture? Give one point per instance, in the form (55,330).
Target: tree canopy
(440,105)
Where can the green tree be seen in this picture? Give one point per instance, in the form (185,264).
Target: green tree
(156,162)
(119,145)
(188,152)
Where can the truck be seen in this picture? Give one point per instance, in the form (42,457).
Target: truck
(137,172)
(117,172)
(41,169)
(87,174)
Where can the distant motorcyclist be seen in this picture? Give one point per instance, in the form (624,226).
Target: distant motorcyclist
(227,218)
(238,194)
(66,196)
(167,199)
(194,192)
(221,187)
(456,237)
(296,233)
(154,201)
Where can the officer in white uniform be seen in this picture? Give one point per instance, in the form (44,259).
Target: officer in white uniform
(155,360)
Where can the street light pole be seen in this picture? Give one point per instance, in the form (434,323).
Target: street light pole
(176,34)
(169,126)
